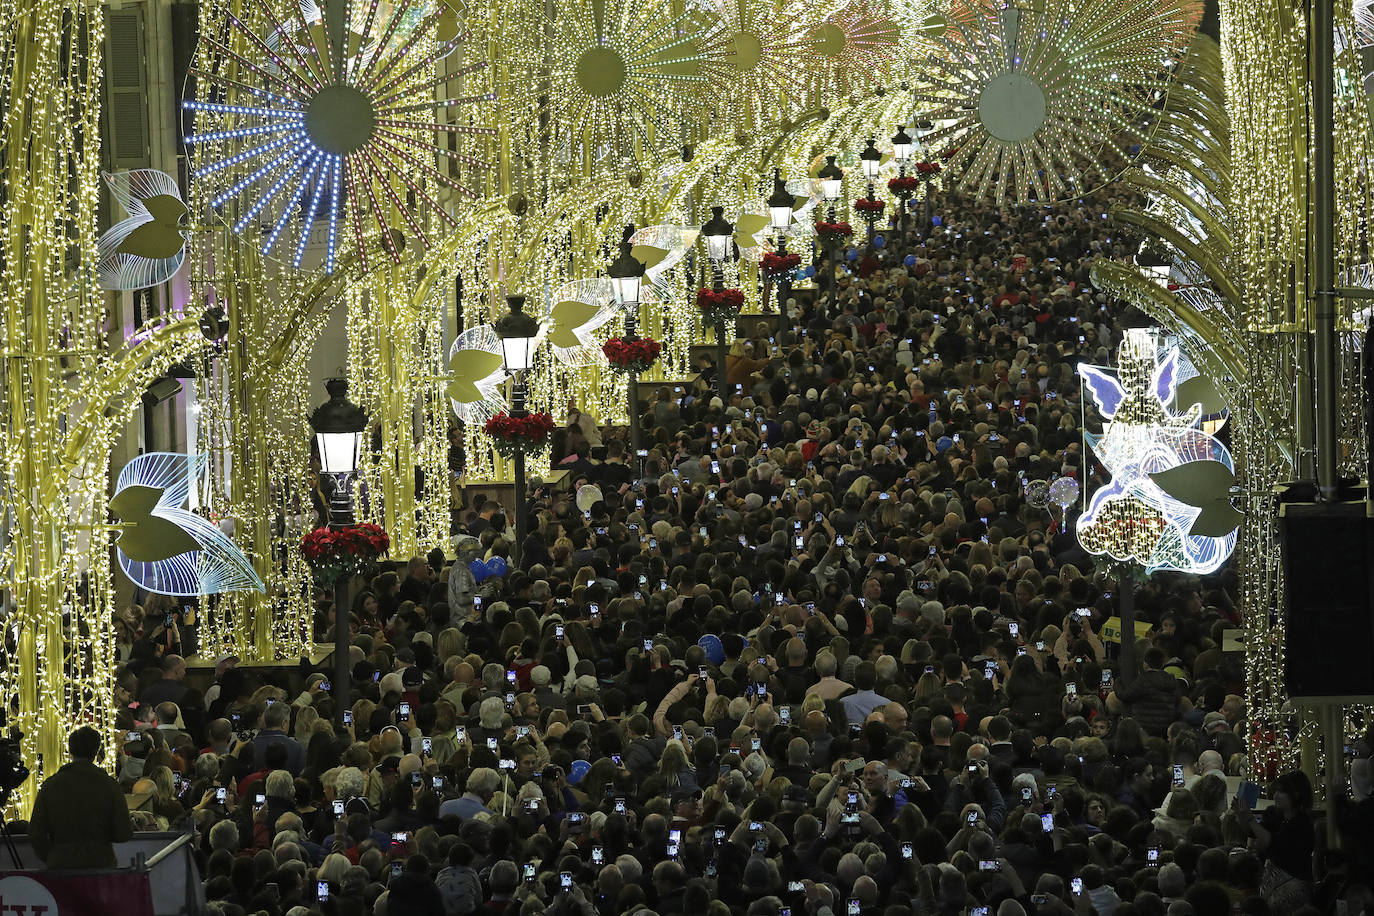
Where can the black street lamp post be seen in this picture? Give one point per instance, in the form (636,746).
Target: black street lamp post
(519,334)
(832,188)
(719,234)
(627,276)
(339,426)
(780,219)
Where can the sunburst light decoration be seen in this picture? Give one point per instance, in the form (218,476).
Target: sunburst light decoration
(599,81)
(299,117)
(1042,102)
(859,41)
(768,54)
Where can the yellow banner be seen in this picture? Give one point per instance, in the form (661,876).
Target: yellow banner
(1111,630)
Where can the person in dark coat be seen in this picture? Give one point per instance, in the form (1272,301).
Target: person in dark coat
(413,892)
(1153,694)
(80,812)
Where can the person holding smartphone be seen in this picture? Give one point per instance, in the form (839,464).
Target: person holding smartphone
(413,890)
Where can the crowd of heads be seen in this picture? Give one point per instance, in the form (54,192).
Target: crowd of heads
(814,651)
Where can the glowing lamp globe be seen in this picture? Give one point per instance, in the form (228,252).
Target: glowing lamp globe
(901,145)
(831,178)
(871,159)
(519,335)
(626,273)
(779,204)
(339,425)
(719,234)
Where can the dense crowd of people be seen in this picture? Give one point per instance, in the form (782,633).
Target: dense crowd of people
(814,653)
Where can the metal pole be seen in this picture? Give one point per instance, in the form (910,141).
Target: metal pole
(341,516)
(1126,585)
(1333,780)
(343,646)
(722,352)
(517,409)
(1324,352)
(722,347)
(632,333)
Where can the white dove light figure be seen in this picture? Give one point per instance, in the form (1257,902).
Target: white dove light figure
(162,547)
(660,249)
(475,374)
(147,248)
(580,308)
(1167,506)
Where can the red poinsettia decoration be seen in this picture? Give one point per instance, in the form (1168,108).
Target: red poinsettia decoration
(777,266)
(512,435)
(337,553)
(720,306)
(631,356)
(928,168)
(903,184)
(869,205)
(833,233)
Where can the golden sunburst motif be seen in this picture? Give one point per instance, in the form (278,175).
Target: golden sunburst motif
(1045,102)
(295,119)
(766,59)
(861,40)
(601,80)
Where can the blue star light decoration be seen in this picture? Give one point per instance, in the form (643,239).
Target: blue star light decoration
(1168,503)
(299,120)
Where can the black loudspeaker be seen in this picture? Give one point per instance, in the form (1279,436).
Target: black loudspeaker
(1328,572)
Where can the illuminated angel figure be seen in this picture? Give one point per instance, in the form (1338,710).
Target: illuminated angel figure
(1042,103)
(601,80)
(331,121)
(1168,504)
(147,248)
(164,548)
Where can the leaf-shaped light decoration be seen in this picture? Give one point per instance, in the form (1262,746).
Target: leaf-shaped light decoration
(1196,483)
(1204,485)
(660,249)
(147,248)
(1200,390)
(475,373)
(1217,519)
(162,547)
(806,196)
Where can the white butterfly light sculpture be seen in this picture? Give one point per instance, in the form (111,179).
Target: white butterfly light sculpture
(162,547)
(147,248)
